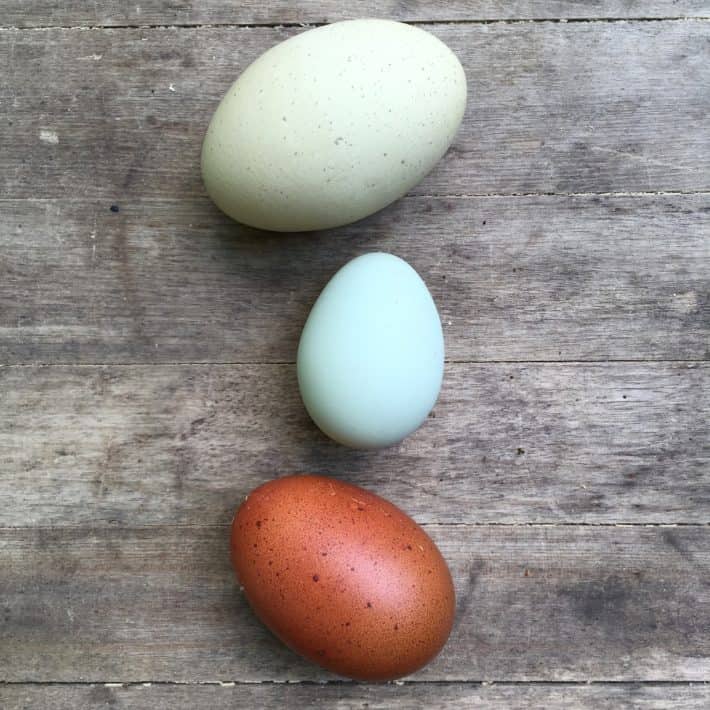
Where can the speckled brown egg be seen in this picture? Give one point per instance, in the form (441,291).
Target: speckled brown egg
(343,577)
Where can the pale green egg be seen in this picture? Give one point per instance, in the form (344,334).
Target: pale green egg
(371,355)
(333,124)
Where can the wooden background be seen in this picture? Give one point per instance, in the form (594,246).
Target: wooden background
(147,379)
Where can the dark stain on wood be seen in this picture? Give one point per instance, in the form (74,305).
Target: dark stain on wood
(464,597)
(601,601)
(101,696)
(671,539)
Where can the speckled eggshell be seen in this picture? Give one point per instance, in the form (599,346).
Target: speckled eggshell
(333,124)
(343,577)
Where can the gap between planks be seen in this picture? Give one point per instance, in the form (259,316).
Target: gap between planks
(310,25)
(347,683)
(218,526)
(431,196)
(245,363)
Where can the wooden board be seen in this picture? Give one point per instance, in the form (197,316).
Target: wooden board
(96,604)
(409,696)
(52,13)
(553,108)
(515,278)
(506,443)
(147,379)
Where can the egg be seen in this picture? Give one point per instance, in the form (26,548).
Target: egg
(342,576)
(333,124)
(371,355)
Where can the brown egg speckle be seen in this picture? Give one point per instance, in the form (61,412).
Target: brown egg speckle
(343,577)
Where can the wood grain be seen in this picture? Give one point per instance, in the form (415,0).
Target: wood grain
(624,442)
(577,321)
(346,696)
(254,12)
(161,604)
(553,108)
(515,278)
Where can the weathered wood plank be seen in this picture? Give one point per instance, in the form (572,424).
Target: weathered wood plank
(515,278)
(341,696)
(534,603)
(204,12)
(554,107)
(507,443)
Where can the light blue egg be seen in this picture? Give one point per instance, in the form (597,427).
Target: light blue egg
(371,355)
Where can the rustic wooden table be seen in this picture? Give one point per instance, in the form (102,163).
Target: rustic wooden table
(147,347)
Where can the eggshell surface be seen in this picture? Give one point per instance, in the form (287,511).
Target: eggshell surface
(333,124)
(343,577)
(371,355)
